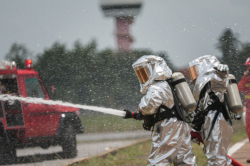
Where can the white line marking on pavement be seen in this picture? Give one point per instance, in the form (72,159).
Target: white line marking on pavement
(236,147)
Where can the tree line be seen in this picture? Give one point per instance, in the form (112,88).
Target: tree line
(234,52)
(106,78)
(86,75)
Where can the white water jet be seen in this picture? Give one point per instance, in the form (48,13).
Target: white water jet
(5,97)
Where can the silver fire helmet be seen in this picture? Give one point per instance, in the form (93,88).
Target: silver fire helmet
(208,68)
(149,68)
(202,65)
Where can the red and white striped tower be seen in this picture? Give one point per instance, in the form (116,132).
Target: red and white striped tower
(124,12)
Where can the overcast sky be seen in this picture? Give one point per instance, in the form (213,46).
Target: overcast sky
(184,29)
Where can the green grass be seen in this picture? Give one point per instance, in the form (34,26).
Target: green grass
(137,155)
(132,156)
(200,157)
(239,131)
(96,123)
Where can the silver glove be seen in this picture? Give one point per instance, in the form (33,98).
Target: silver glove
(222,67)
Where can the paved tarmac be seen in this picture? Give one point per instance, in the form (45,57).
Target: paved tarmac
(242,153)
(88,145)
(94,144)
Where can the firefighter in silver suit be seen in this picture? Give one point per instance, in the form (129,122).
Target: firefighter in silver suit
(171,137)
(210,80)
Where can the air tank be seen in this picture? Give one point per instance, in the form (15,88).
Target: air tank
(233,96)
(183,92)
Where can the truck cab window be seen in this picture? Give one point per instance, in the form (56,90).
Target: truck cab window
(12,108)
(34,88)
(9,86)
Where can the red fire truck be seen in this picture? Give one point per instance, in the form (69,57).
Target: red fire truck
(25,124)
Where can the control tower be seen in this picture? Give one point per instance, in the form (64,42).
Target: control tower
(124,12)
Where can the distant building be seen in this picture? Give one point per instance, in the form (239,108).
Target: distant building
(124,12)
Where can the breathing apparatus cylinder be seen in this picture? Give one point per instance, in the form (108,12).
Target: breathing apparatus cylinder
(233,96)
(183,92)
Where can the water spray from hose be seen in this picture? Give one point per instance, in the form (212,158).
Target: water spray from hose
(6,97)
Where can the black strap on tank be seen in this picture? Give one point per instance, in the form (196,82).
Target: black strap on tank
(216,105)
(214,119)
(168,113)
(203,91)
(178,81)
(199,117)
(173,83)
(176,100)
(232,81)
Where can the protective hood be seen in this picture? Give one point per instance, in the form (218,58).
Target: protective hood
(205,66)
(149,68)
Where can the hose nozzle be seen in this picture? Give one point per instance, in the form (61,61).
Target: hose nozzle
(134,115)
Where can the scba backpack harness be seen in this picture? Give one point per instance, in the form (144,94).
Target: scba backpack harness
(177,111)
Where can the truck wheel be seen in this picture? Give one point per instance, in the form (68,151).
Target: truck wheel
(68,142)
(7,153)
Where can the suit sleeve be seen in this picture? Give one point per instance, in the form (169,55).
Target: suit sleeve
(150,102)
(242,83)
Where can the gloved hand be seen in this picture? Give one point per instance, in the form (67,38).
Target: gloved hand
(222,67)
(138,116)
(128,114)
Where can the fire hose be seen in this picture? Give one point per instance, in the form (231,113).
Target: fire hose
(138,116)
(125,114)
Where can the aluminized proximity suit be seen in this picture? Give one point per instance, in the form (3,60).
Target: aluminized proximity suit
(171,137)
(210,86)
